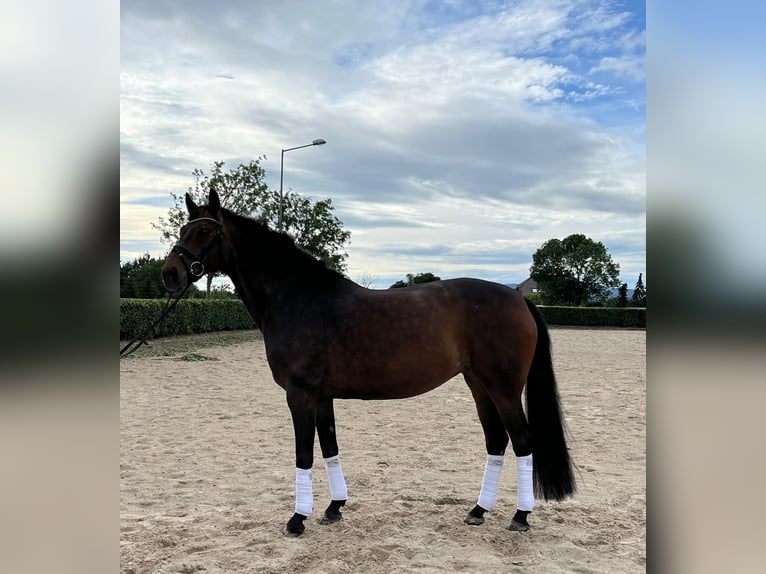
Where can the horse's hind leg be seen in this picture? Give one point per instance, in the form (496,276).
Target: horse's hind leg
(496,439)
(325,424)
(498,401)
(506,397)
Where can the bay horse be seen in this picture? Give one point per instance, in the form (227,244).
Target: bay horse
(328,338)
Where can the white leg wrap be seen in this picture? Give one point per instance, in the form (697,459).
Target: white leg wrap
(526,493)
(338,490)
(492,470)
(304,495)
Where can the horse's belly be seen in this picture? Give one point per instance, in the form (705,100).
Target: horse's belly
(388,378)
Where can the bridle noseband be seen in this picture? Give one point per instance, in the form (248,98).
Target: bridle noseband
(197,266)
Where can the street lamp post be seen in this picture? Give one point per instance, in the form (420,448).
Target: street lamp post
(282,174)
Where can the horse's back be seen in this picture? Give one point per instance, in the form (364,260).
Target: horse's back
(485,302)
(403,342)
(492,311)
(456,309)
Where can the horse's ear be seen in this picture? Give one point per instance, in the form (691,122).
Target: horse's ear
(213,202)
(190,205)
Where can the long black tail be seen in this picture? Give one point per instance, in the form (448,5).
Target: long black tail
(553,476)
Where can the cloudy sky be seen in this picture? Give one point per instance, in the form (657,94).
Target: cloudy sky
(461,135)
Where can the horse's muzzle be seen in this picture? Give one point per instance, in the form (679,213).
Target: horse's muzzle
(172,279)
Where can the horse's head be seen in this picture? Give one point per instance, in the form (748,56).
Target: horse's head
(199,247)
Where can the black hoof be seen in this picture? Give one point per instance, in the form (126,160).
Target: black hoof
(474,520)
(295,525)
(475,516)
(330,518)
(333,514)
(519,522)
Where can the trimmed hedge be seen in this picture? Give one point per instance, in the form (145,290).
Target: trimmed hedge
(188,317)
(595,316)
(205,315)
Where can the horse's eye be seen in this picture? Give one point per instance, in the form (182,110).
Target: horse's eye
(205,231)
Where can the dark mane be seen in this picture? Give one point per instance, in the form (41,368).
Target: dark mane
(278,252)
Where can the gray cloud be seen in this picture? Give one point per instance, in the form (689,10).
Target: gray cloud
(488,109)
(133,157)
(360,222)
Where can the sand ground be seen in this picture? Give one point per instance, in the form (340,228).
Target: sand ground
(207,472)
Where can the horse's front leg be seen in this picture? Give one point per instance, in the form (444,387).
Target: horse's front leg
(325,423)
(303,408)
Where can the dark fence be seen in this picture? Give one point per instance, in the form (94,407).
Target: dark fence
(595,316)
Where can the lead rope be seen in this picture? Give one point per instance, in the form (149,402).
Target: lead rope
(141,339)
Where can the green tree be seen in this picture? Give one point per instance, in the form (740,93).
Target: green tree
(574,271)
(622,296)
(223,292)
(243,190)
(415,279)
(534,298)
(314,227)
(638,299)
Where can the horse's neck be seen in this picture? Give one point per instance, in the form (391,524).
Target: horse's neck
(253,298)
(268,294)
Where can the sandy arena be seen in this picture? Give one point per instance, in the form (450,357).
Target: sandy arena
(207,472)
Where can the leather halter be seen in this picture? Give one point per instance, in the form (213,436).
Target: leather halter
(197,266)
